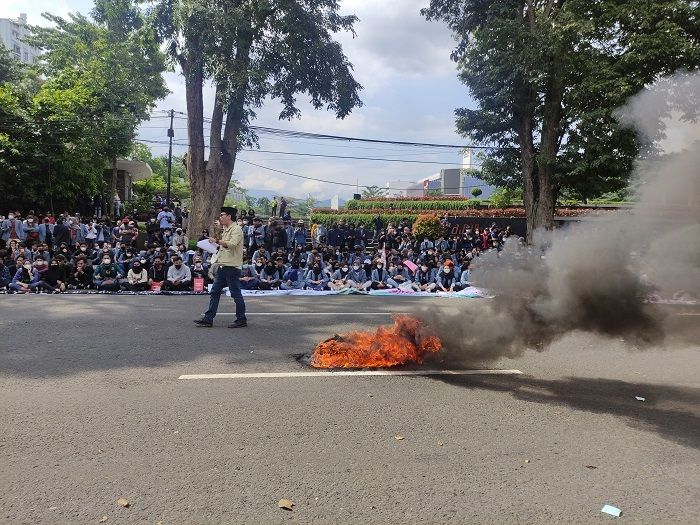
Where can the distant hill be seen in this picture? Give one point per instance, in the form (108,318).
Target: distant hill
(270,194)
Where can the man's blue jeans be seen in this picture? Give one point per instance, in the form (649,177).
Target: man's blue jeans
(226,276)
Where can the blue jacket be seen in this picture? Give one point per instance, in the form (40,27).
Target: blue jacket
(5,227)
(427,278)
(296,276)
(43,230)
(357,276)
(383,278)
(19,274)
(323,276)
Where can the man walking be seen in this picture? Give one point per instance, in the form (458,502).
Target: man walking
(229,258)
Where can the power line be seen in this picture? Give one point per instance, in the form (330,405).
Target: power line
(330,181)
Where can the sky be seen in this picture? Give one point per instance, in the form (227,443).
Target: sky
(410,93)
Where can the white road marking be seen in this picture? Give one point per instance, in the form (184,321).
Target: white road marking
(310,313)
(346,373)
(687,313)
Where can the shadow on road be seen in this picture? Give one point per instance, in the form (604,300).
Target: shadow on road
(671,412)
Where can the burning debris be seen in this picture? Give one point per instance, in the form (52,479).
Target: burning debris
(406,341)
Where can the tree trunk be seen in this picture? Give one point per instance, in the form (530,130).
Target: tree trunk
(113,189)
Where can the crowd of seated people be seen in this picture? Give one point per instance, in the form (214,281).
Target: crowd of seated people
(43,253)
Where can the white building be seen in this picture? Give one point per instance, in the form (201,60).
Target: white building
(12,32)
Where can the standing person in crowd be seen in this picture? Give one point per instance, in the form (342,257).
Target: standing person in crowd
(165,219)
(378,224)
(46,231)
(117,206)
(273,207)
(61,233)
(283,206)
(12,228)
(229,259)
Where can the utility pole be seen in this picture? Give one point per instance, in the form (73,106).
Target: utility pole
(171,134)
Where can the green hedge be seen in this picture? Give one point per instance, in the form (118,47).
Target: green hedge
(366,219)
(417,205)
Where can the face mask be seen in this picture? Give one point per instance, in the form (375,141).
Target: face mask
(83,248)
(380,266)
(137,267)
(28,266)
(424,268)
(105,261)
(447,270)
(345,268)
(356,267)
(10,216)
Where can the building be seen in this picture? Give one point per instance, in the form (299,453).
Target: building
(128,171)
(451,181)
(12,33)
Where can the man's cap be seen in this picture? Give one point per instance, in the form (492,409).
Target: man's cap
(230,210)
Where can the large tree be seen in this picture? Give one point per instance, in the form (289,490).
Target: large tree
(547,76)
(115,61)
(250,51)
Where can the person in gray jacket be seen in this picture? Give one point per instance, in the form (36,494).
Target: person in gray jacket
(316,278)
(380,276)
(293,278)
(399,277)
(357,277)
(424,280)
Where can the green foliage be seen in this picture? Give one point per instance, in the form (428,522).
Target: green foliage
(434,193)
(476,192)
(146,189)
(359,218)
(263,206)
(428,225)
(371,192)
(502,197)
(547,77)
(59,129)
(417,205)
(303,207)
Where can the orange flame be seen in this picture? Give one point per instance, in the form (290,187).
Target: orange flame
(389,346)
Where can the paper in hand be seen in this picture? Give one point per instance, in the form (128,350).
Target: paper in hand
(207,246)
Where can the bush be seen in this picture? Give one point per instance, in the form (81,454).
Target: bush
(418,205)
(476,192)
(428,225)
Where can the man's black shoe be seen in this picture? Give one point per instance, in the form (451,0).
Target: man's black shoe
(238,324)
(203,322)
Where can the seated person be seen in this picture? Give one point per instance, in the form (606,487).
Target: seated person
(200,270)
(293,278)
(5,277)
(137,278)
(106,276)
(316,278)
(26,279)
(272,276)
(158,272)
(357,277)
(445,280)
(249,277)
(424,279)
(81,278)
(399,277)
(179,277)
(56,276)
(339,278)
(379,277)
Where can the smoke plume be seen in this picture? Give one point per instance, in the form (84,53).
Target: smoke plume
(595,275)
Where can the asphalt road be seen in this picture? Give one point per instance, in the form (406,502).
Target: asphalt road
(92,410)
